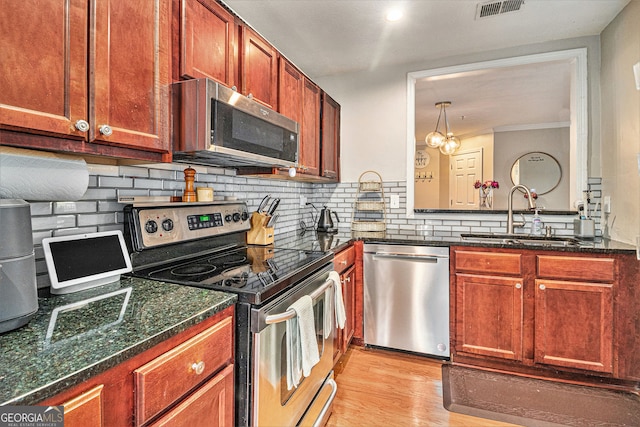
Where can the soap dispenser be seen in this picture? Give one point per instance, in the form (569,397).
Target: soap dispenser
(536,224)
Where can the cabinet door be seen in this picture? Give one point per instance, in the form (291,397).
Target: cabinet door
(290,90)
(85,410)
(330,145)
(349,297)
(259,69)
(129,84)
(574,325)
(310,129)
(489,316)
(212,405)
(207,41)
(43,70)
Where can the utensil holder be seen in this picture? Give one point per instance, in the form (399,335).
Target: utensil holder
(584,228)
(260,234)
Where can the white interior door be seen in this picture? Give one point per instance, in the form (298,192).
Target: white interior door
(465,169)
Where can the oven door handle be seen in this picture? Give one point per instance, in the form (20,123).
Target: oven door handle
(327,404)
(290,314)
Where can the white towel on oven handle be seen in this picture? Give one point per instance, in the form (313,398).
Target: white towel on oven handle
(302,347)
(341,315)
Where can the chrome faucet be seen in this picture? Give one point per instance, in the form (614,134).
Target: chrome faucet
(532,205)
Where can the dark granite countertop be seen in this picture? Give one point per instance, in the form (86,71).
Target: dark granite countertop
(77,336)
(311,240)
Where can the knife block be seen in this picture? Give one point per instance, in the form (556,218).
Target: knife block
(260,234)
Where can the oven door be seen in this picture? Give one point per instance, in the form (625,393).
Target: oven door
(273,403)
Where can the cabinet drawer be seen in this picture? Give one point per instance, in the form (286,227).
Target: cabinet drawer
(85,409)
(576,268)
(167,378)
(344,259)
(209,406)
(488,262)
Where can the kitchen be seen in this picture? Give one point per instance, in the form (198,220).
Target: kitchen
(99,210)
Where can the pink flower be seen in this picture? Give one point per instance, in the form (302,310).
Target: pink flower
(487,184)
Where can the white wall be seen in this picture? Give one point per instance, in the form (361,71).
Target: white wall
(621,124)
(374,113)
(551,141)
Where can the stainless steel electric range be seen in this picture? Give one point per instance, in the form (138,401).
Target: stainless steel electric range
(204,245)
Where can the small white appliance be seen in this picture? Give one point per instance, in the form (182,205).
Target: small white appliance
(18,289)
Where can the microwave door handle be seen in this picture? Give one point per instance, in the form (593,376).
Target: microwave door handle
(290,314)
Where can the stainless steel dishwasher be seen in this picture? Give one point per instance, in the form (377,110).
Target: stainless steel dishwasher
(406,298)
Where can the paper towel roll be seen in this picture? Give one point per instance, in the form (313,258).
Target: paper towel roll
(41,176)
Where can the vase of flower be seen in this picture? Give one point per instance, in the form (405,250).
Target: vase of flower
(485,200)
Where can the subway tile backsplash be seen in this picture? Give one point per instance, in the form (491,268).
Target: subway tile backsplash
(99,210)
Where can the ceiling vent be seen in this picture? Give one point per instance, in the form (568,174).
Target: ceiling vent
(495,8)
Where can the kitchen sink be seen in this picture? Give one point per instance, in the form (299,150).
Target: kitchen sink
(522,239)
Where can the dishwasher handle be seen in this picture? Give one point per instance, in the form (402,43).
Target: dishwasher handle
(410,257)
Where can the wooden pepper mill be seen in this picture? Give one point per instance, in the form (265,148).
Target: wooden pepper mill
(189,192)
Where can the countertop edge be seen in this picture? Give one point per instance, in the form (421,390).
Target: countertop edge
(38,395)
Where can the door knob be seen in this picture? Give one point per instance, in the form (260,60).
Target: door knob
(82,125)
(105,130)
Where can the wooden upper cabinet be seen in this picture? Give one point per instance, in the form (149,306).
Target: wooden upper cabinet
(43,71)
(310,132)
(290,81)
(258,68)
(330,134)
(207,41)
(97,72)
(130,59)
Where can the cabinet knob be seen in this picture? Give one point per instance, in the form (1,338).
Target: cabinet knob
(250,96)
(343,262)
(348,279)
(542,287)
(198,368)
(105,130)
(82,125)
(518,285)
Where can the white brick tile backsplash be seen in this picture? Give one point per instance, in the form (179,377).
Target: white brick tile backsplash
(114,182)
(96,219)
(98,209)
(41,223)
(74,207)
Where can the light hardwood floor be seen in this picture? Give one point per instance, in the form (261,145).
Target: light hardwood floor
(385,388)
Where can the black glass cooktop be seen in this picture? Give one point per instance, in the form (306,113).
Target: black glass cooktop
(255,273)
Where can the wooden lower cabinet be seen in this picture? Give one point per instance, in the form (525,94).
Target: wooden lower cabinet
(85,409)
(574,325)
(344,264)
(187,380)
(489,315)
(556,315)
(209,406)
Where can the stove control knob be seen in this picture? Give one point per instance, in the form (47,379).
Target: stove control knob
(236,217)
(245,215)
(167,224)
(227,218)
(151,226)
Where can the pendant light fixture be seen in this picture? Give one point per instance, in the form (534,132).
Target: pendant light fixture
(447,142)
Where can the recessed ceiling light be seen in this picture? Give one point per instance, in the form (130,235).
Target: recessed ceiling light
(393,15)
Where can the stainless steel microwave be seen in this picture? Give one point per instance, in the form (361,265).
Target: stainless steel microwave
(215,125)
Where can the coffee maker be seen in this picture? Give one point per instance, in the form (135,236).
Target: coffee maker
(18,288)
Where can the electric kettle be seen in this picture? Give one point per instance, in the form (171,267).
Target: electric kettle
(325,223)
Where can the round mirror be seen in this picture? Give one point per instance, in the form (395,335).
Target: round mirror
(538,171)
